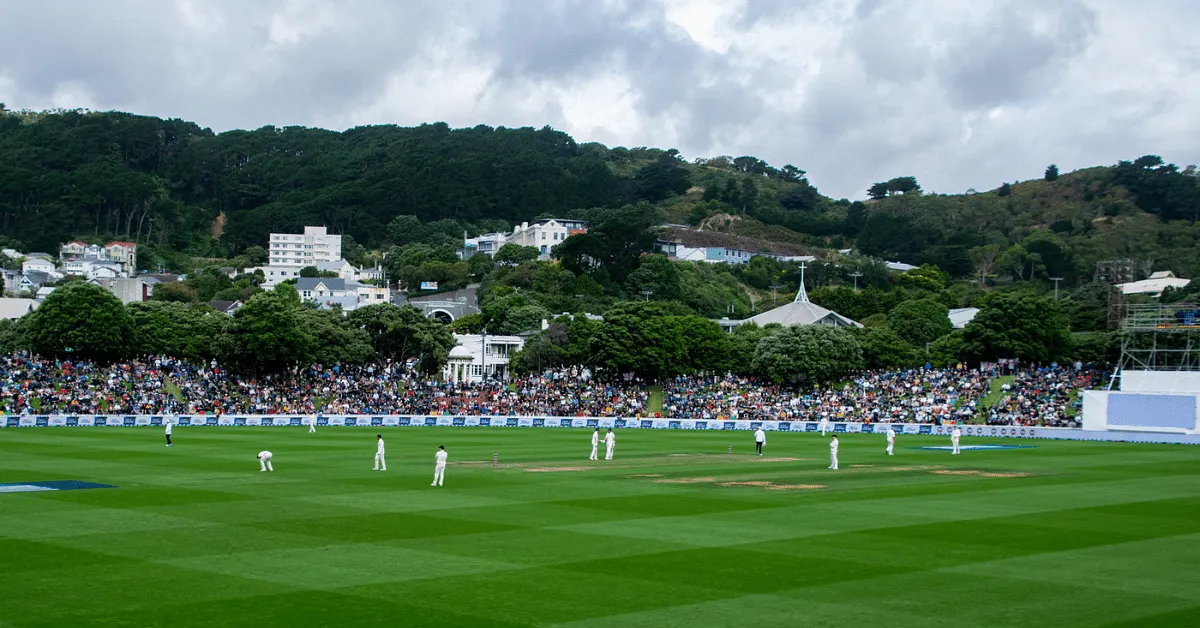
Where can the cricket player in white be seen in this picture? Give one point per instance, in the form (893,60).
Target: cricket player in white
(167,424)
(312,425)
(380,463)
(264,461)
(955,434)
(891,438)
(439,466)
(760,439)
(609,441)
(595,445)
(833,447)
(824,424)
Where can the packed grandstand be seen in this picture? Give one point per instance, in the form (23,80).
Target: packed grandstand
(1027,396)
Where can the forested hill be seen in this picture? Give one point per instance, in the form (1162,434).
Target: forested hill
(73,174)
(173,185)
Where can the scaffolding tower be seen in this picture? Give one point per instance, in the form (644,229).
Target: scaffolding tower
(1159,337)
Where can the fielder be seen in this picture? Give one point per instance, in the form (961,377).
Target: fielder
(312,424)
(609,441)
(439,466)
(380,463)
(833,448)
(595,445)
(760,439)
(264,461)
(167,424)
(824,424)
(955,434)
(891,438)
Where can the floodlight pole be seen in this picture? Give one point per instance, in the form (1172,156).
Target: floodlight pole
(856,276)
(1056,280)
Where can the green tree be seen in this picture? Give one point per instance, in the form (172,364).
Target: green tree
(403,333)
(948,350)
(1051,173)
(175,329)
(268,334)
(707,345)
(468,324)
(816,352)
(12,335)
(174,292)
(516,254)
(644,339)
(924,277)
(256,255)
(882,348)
(920,321)
(80,321)
(336,341)
(313,272)
(656,275)
(1017,325)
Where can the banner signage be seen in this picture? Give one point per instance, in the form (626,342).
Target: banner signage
(971,431)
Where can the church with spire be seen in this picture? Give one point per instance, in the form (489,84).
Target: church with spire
(800,311)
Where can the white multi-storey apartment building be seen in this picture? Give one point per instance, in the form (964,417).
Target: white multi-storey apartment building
(289,250)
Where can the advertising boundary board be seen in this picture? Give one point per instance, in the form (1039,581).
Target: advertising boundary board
(906,429)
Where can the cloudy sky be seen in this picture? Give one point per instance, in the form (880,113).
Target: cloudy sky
(958,94)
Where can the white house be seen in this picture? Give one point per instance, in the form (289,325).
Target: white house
(486,244)
(37,265)
(318,289)
(344,269)
(13,309)
(297,251)
(545,234)
(469,362)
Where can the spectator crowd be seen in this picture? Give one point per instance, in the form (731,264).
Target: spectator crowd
(161,385)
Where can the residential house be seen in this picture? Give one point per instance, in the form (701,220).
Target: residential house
(12,282)
(369,295)
(43,292)
(127,289)
(32,280)
(37,264)
(344,269)
(13,309)
(225,307)
(546,233)
(125,254)
(471,362)
(959,317)
(486,244)
(11,253)
(320,289)
(274,275)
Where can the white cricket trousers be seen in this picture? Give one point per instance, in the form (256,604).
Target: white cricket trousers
(312,427)
(265,463)
(608,452)
(595,455)
(439,475)
(833,462)
(380,463)
(954,442)
(891,446)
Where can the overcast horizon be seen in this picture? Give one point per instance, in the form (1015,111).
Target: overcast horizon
(852,91)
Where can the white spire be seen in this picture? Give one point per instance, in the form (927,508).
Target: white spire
(802,294)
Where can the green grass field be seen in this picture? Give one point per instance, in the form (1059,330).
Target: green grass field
(674,532)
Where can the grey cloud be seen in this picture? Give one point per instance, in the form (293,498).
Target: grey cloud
(902,87)
(1011,59)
